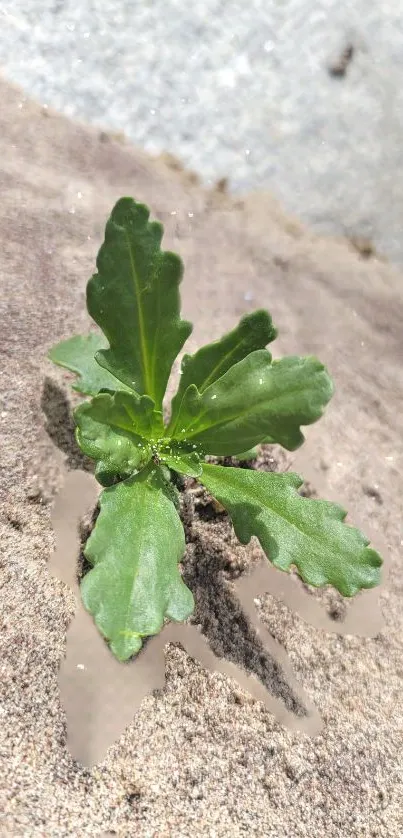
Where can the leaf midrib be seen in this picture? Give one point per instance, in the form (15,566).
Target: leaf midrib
(210,378)
(137,566)
(143,344)
(205,384)
(257,501)
(228,419)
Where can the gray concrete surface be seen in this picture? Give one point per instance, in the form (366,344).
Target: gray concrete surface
(237,89)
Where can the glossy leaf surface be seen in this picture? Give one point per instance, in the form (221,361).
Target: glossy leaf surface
(116,431)
(254,331)
(77,354)
(293,530)
(135,549)
(134,298)
(255,399)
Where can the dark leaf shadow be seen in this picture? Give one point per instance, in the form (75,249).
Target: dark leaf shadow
(60,426)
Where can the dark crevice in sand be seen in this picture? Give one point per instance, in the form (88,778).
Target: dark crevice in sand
(210,565)
(226,627)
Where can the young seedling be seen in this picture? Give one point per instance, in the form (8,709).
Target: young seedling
(232,396)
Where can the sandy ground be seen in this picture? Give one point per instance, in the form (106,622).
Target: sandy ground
(201,757)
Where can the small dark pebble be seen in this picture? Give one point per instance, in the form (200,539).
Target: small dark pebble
(338,68)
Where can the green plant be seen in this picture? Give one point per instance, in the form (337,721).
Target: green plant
(232,396)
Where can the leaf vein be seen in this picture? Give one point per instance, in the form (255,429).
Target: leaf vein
(139,315)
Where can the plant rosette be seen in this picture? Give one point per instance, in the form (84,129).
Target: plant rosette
(232,397)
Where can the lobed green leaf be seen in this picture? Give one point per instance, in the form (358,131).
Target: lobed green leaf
(116,431)
(77,354)
(255,399)
(293,530)
(134,298)
(135,549)
(254,331)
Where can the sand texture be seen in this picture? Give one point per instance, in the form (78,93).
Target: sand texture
(201,758)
